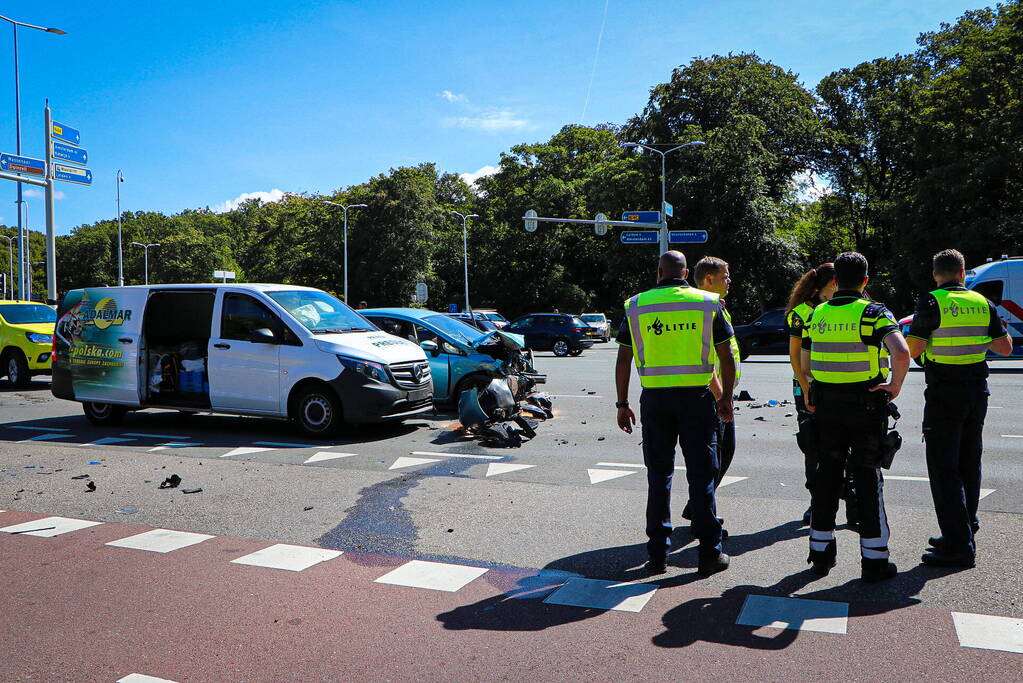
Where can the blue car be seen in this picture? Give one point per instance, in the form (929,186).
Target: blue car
(461,357)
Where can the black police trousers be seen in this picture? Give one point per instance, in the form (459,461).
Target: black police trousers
(849,426)
(953,430)
(806,439)
(686,416)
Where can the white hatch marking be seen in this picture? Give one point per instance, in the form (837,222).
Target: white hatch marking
(405,461)
(495,468)
(327,455)
(989,632)
(294,558)
(160,540)
(623,597)
(142,678)
(794,613)
(244,450)
(597,476)
(49,527)
(437,576)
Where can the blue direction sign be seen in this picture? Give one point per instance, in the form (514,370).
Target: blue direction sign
(72,174)
(687,236)
(65,133)
(642,216)
(25,165)
(639,237)
(76,155)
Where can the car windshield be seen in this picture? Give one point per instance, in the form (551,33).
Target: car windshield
(593,318)
(453,328)
(576,322)
(27,314)
(321,313)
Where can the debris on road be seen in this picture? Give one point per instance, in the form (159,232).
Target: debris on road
(171,482)
(80,476)
(487,412)
(761,418)
(196,490)
(307,508)
(126,511)
(745,396)
(90,487)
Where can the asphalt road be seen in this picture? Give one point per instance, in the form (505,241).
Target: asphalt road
(574,507)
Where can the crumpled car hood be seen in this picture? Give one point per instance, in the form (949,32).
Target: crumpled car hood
(512,342)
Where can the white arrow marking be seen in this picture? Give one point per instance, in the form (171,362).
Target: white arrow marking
(505,467)
(327,455)
(409,462)
(244,450)
(597,476)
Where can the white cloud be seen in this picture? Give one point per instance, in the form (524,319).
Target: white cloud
(489,121)
(810,187)
(452,97)
(471,178)
(273,195)
(38,194)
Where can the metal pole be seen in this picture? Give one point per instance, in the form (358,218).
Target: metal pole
(9,281)
(465,261)
(17,128)
(120,262)
(51,239)
(28,256)
(663,233)
(346,256)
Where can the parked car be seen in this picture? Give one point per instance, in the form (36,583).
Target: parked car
(600,321)
(460,356)
(475,320)
(26,340)
(493,316)
(563,334)
(267,350)
(767,334)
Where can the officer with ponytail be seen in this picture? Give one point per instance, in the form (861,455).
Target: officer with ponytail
(953,330)
(842,355)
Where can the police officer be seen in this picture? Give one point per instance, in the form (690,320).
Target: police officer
(673,332)
(953,329)
(842,350)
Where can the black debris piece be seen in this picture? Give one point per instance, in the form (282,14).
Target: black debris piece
(80,476)
(90,486)
(171,482)
(761,418)
(744,396)
(600,438)
(307,508)
(527,429)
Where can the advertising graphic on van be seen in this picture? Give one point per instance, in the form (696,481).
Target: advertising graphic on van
(87,335)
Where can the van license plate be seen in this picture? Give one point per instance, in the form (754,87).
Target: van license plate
(418,395)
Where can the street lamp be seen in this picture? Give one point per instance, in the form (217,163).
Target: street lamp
(145,248)
(17,127)
(9,282)
(664,199)
(120,259)
(465,252)
(345,239)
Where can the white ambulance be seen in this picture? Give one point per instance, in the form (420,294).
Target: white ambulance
(277,351)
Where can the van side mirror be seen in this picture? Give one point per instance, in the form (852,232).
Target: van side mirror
(263,336)
(430,347)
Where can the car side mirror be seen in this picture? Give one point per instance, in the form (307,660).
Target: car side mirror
(430,347)
(263,335)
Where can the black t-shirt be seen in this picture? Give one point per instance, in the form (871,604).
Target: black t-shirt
(928,318)
(794,322)
(721,330)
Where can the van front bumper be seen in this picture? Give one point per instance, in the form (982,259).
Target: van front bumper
(366,401)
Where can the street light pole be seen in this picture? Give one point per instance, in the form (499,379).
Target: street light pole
(465,253)
(663,237)
(345,240)
(17,128)
(9,282)
(120,259)
(145,249)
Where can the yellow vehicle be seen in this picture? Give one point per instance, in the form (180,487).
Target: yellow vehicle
(26,340)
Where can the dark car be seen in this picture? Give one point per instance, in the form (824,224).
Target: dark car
(766,334)
(563,334)
(477,320)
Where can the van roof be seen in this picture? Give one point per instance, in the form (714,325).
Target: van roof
(256,286)
(1012,262)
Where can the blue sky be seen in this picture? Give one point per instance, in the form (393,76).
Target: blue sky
(202,102)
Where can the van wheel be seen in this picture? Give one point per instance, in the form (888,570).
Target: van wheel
(16,367)
(318,412)
(104,413)
(560,348)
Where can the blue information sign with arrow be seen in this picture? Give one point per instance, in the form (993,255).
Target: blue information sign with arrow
(75,155)
(687,236)
(65,133)
(26,165)
(639,237)
(72,174)
(642,216)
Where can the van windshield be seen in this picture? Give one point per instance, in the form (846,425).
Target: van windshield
(321,313)
(27,314)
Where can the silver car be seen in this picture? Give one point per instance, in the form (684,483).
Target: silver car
(600,321)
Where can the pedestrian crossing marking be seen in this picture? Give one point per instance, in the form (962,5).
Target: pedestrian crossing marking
(160,540)
(405,461)
(106,441)
(988,632)
(608,595)
(327,455)
(597,476)
(244,450)
(438,576)
(142,678)
(496,468)
(293,558)
(48,527)
(794,613)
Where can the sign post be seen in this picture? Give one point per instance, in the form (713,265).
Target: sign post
(422,293)
(51,233)
(639,237)
(687,236)
(224,275)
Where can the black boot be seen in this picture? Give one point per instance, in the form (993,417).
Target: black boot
(823,560)
(877,569)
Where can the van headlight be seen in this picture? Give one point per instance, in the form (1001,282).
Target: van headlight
(366,368)
(37,338)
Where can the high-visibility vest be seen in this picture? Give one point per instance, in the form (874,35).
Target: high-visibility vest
(733,343)
(804,311)
(837,352)
(672,336)
(962,335)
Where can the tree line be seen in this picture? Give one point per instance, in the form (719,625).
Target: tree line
(917,152)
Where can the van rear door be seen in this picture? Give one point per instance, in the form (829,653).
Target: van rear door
(99,337)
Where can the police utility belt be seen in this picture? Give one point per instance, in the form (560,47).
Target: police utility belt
(876,401)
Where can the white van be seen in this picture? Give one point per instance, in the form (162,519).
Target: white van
(277,351)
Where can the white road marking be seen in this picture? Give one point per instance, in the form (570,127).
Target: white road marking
(39,429)
(597,476)
(283,445)
(405,461)
(327,455)
(904,477)
(48,437)
(575,396)
(459,455)
(105,441)
(988,632)
(985,492)
(626,464)
(142,678)
(623,597)
(244,450)
(293,558)
(729,479)
(495,468)
(156,436)
(1012,436)
(160,540)
(437,576)
(165,446)
(795,614)
(61,525)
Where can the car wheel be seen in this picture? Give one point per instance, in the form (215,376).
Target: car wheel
(104,413)
(560,348)
(16,367)
(318,412)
